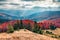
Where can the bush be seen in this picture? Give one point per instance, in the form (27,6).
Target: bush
(10,29)
(49,32)
(40,32)
(59,36)
(54,36)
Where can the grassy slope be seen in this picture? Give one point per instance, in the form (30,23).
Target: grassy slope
(24,35)
(55,33)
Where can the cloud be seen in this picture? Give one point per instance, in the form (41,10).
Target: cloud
(29,0)
(56,0)
(32,0)
(24,5)
(2,0)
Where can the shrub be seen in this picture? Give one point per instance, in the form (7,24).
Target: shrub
(59,36)
(54,36)
(49,32)
(40,32)
(10,29)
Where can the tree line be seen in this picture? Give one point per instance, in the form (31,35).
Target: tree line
(19,25)
(36,28)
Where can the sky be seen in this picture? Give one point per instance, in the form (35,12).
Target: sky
(26,4)
(24,8)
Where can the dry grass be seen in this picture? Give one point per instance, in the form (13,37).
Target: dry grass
(56,32)
(24,35)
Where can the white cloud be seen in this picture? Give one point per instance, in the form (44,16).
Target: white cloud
(26,5)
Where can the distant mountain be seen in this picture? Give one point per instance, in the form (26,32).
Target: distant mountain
(5,17)
(3,20)
(36,15)
(8,17)
(46,15)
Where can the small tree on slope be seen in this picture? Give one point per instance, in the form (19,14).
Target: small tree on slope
(36,28)
(10,29)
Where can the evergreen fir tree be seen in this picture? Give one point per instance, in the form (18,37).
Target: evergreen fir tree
(10,29)
(52,27)
(16,27)
(21,25)
(28,27)
(36,27)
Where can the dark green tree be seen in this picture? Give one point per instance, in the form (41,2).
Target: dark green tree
(28,27)
(52,27)
(16,27)
(36,27)
(21,25)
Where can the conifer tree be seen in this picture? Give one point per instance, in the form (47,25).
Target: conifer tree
(36,28)
(52,26)
(16,27)
(28,27)
(21,25)
(10,29)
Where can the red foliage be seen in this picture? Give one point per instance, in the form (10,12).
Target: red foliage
(44,23)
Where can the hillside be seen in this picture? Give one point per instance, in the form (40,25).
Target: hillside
(55,33)
(24,35)
(29,14)
(45,23)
